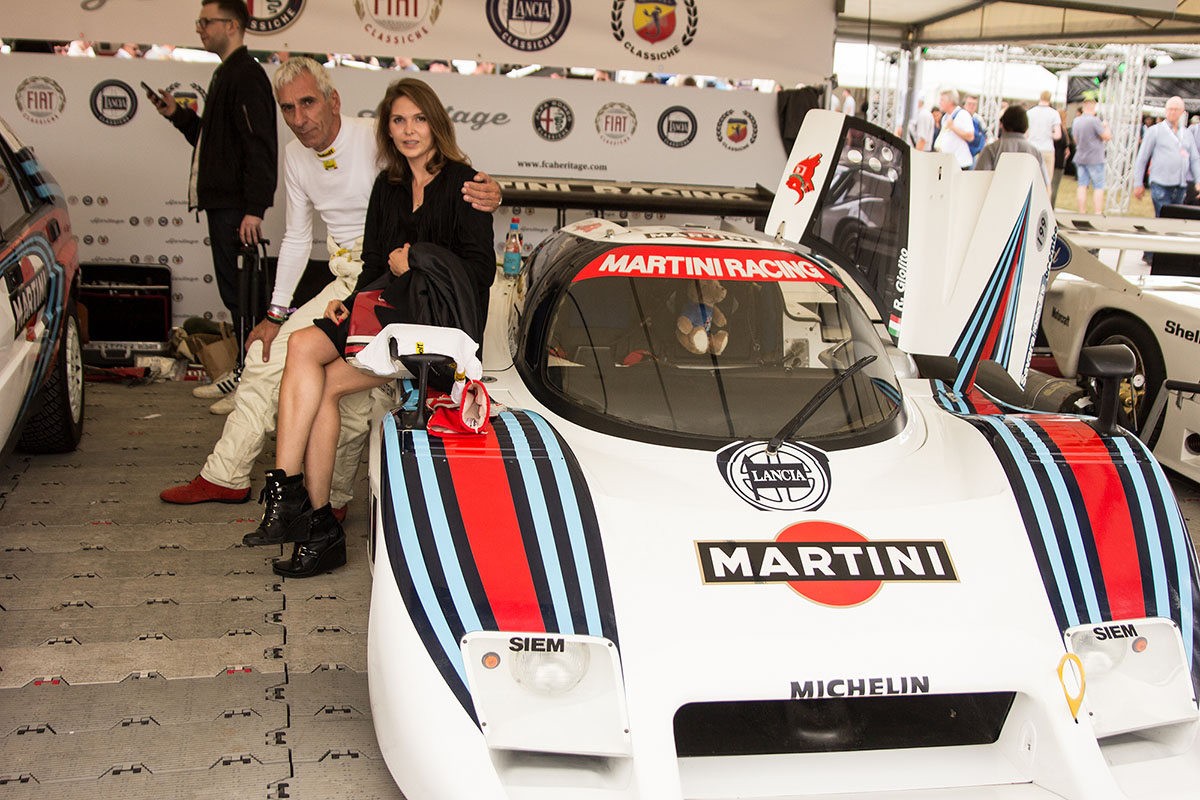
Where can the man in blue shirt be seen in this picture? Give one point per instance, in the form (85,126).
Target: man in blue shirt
(1171,152)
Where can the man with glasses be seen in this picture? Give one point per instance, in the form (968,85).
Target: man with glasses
(235,148)
(1171,152)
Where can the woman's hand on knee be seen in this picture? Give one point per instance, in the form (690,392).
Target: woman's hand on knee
(398,261)
(336,311)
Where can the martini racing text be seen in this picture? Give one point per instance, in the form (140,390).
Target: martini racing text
(783,562)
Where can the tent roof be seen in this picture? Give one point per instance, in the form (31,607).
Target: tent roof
(930,22)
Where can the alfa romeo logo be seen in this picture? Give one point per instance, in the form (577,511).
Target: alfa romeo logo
(553,119)
(794,478)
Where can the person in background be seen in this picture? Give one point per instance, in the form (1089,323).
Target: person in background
(971,105)
(958,129)
(235,150)
(1063,147)
(849,105)
(1171,152)
(1090,133)
(1013,124)
(129,50)
(1191,197)
(329,169)
(79,47)
(920,129)
(438,66)
(1045,127)
(937,115)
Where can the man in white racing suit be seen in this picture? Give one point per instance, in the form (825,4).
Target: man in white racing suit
(329,168)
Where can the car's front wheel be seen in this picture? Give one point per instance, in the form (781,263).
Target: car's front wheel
(57,426)
(1149,372)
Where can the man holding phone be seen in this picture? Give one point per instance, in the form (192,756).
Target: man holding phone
(234,156)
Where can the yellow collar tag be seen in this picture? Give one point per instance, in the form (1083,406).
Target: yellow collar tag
(329,164)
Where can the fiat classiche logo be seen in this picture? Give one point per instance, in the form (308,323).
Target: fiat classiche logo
(826,562)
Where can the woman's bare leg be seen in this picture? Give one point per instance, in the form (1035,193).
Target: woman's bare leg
(341,380)
(300,392)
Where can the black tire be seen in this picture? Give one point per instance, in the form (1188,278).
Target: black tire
(846,239)
(1149,371)
(57,425)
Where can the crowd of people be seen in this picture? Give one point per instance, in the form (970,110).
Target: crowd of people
(1166,161)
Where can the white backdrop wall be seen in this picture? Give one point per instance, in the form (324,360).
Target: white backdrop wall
(124,169)
(786,40)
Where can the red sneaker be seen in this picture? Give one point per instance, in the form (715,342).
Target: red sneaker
(202,491)
(340,514)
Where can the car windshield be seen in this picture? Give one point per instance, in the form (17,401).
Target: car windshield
(722,360)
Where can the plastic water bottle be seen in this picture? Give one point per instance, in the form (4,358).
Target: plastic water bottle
(512,249)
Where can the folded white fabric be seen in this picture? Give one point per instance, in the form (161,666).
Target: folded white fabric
(376,357)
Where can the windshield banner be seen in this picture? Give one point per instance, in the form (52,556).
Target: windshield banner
(719,263)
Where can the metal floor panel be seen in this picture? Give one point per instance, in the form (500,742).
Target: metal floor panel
(181,665)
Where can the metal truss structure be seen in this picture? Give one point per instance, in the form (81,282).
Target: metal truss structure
(995,58)
(888,90)
(1121,105)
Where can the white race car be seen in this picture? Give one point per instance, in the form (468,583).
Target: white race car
(1158,317)
(774,561)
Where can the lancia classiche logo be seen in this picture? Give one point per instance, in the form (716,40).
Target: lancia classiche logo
(553,120)
(529,25)
(114,102)
(827,563)
(794,478)
(269,16)
(398,21)
(40,100)
(677,126)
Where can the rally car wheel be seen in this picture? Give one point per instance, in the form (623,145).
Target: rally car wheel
(57,426)
(1137,392)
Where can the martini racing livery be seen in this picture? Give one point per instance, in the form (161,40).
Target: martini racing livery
(41,361)
(781,561)
(1156,316)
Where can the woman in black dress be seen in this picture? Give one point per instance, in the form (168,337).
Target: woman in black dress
(416,199)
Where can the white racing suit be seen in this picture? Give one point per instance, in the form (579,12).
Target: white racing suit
(257,400)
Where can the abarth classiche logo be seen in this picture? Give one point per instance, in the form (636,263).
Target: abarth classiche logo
(191,97)
(40,100)
(801,179)
(113,102)
(737,130)
(616,122)
(269,16)
(677,126)
(553,119)
(398,21)
(529,25)
(656,23)
(825,562)
(794,478)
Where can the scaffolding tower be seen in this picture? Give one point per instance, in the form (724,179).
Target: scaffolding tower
(995,58)
(1121,98)
(887,89)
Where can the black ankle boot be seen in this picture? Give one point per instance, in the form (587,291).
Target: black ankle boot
(324,550)
(286,517)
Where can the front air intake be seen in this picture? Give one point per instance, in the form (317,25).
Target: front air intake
(762,727)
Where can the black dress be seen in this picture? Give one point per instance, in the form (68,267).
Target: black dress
(444,219)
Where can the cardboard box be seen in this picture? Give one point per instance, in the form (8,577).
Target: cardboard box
(217,354)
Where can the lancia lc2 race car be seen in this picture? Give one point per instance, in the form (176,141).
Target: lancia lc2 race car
(41,358)
(755,521)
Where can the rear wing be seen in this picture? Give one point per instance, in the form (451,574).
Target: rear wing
(956,261)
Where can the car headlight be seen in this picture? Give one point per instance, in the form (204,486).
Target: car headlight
(1137,674)
(551,673)
(547,693)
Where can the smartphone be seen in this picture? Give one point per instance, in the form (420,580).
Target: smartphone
(154,96)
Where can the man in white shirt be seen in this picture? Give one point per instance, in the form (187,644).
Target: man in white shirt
(958,129)
(329,168)
(920,130)
(849,105)
(1045,128)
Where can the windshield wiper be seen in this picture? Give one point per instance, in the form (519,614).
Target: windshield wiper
(818,399)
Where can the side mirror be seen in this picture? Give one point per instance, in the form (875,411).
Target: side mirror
(1108,364)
